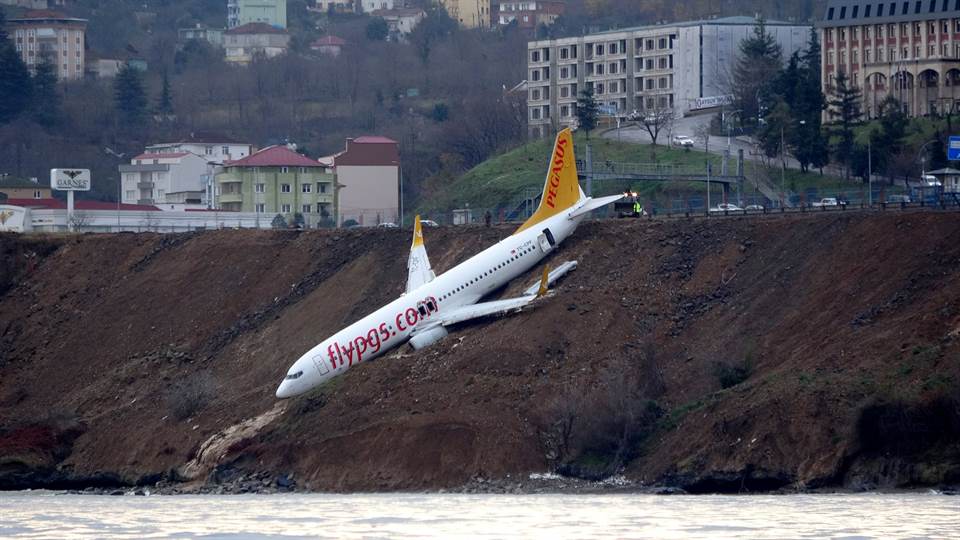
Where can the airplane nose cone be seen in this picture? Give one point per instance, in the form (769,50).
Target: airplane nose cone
(284,391)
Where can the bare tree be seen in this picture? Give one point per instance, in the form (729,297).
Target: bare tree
(657,119)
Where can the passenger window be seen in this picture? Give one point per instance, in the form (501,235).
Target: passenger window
(422,310)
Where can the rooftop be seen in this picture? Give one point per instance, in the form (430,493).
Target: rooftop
(11,182)
(45,15)
(739,20)
(169,155)
(202,137)
(857,12)
(374,139)
(256,28)
(329,41)
(274,156)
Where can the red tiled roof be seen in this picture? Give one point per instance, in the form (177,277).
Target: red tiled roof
(57,204)
(256,28)
(46,14)
(329,40)
(171,155)
(374,139)
(274,156)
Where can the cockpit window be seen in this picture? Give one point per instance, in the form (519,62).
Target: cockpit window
(292,376)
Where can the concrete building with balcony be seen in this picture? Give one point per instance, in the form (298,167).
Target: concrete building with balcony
(400,22)
(906,49)
(200,32)
(682,67)
(48,34)
(271,12)
(277,180)
(176,179)
(368,174)
(213,147)
(528,14)
(243,43)
(468,13)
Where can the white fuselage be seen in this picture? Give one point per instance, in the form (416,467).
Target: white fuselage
(393,324)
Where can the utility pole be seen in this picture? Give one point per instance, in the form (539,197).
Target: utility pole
(870,170)
(783,170)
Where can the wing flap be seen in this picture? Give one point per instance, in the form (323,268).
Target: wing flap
(484,309)
(552,277)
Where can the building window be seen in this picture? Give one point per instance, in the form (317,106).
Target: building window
(649,46)
(662,43)
(259,208)
(225,150)
(284,170)
(305,188)
(37,194)
(599,49)
(284,188)
(131,195)
(259,188)
(285,208)
(321,187)
(305,208)
(612,48)
(208,150)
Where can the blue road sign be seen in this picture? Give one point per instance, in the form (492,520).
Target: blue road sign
(953,148)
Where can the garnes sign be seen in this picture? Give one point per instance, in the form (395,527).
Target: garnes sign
(70,179)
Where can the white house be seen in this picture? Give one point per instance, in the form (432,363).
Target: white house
(245,42)
(367,6)
(178,180)
(400,21)
(213,147)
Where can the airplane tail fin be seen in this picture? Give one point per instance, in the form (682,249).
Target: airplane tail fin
(561,190)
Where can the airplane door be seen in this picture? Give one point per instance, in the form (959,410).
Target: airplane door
(321,364)
(546,241)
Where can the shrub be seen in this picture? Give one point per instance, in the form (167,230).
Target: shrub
(190,395)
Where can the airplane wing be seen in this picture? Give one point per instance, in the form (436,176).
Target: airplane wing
(483,309)
(418,265)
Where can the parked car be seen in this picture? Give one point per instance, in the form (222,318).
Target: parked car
(828,201)
(726,207)
(429,223)
(387,225)
(897,199)
(754,208)
(683,140)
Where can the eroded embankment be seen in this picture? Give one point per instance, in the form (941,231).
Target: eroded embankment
(715,356)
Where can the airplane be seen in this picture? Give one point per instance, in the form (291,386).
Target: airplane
(432,303)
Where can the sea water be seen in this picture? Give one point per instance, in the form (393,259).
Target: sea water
(848,516)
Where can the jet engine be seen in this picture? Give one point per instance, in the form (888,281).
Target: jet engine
(428,337)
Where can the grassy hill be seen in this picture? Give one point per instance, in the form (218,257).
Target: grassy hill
(501,181)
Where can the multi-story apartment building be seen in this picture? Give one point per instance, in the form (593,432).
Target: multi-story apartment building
(214,148)
(528,14)
(277,180)
(368,173)
(468,13)
(173,178)
(907,49)
(679,66)
(47,34)
(272,12)
(367,6)
(243,43)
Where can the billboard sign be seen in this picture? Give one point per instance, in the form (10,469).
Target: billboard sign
(70,179)
(13,218)
(953,148)
(710,102)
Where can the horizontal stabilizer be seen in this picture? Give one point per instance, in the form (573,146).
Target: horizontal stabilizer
(554,275)
(594,204)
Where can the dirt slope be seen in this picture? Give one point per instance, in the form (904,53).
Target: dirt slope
(836,336)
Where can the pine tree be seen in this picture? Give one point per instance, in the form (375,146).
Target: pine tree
(45,106)
(130,98)
(759,60)
(587,111)
(165,102)
(845,112)
(15,84)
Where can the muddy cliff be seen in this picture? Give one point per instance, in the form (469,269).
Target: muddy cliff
(715,356)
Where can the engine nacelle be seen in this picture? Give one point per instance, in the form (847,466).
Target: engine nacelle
(428,337)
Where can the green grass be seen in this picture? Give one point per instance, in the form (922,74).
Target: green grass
(502,179)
